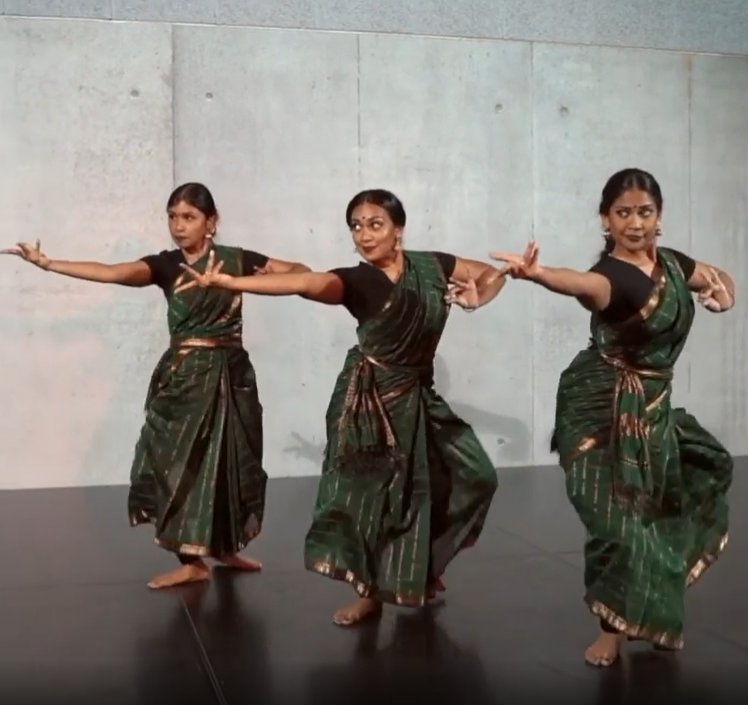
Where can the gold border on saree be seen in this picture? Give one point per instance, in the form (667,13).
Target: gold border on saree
(650,305)
(635,631)
(706,561)
(191,549)
(367,590)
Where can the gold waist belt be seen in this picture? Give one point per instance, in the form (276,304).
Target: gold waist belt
(232,342)
(638,371)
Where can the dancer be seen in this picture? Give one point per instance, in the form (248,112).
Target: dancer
(405,483)
(197,474)
(648,482)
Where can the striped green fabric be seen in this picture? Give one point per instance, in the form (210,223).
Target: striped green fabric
(648,482)
(405,483)
(197,473)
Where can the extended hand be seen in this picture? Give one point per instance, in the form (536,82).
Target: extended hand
(714,287)
(210,277)
(30,253)
(521,267)
(463,293)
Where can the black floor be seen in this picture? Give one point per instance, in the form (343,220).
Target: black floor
(79,625)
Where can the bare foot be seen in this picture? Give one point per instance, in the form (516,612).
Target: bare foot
(353,614)
(190,573)
(236,561)
(604,650)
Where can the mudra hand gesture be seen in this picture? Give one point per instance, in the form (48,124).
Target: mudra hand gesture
(521,267)
(30,253)
(210,277)
(462,293)
(714,285)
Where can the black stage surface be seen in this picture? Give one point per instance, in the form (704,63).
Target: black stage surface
(80,626)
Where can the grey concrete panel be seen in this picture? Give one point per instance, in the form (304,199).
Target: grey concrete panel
(444,124)
(268,119)
(718,207)
(717,27)
(596,111)
(86,154)
(688,25)
(99,9)
(199,11)
(669,24)
(720,26)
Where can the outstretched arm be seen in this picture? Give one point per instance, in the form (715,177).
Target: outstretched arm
(715,288)
(279,266)
(126,273)
(592,290)
(323,287)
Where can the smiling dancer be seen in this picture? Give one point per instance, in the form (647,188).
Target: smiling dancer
(405,483)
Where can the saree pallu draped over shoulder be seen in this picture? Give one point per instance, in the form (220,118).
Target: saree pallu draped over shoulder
(648,482)
(197,474)
(405,483)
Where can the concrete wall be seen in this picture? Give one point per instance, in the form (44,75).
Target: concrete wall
(487,142)
(719,26)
